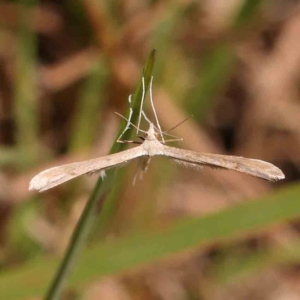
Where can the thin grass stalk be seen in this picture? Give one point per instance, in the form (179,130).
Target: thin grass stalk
(217,66)
(89,106)
(25,84)
(91,211)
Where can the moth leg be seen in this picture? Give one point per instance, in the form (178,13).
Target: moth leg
(141,168)
(128,121)
(174,140)
(130,142)
(154,111)
(141,107)
(147,119)
(145,161)
(180,123)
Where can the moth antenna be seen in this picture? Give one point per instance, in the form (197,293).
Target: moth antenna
(171,135)
(118,114)
(178,124)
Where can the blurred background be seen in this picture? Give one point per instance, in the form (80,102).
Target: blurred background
(67,66)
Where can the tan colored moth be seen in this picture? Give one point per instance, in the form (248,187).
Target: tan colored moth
(153,145)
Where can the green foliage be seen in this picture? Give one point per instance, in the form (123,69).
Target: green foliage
(133,251)
(90,213)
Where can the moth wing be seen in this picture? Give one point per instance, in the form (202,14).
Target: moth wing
(58,175)
(254,167)
(185,164)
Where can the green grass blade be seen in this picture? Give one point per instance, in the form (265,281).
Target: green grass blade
(247,11)
(91,212)
(115,256)
(89,105)
(25,84)
(217,65)
(110,206)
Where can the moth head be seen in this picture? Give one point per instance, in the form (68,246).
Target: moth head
(152,133)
